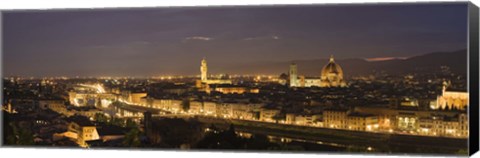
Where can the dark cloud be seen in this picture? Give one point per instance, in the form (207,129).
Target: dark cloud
(158,41)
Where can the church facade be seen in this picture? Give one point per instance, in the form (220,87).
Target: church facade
(451,99)
(330,76)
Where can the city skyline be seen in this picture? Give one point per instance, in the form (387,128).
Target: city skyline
(151,42)
(358,67)
(377,78)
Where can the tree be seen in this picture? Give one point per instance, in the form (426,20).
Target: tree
(227,139)
(185,105)
(130,123)
(231,130)
(258,142)
(99,117)
(117,121)
(175,132)
(132,138)
(231,137)
(462,152)
(21,136)
(213,127)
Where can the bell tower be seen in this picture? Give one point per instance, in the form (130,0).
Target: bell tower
(203,70)
(293,75)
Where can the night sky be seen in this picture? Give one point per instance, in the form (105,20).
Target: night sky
(158,41)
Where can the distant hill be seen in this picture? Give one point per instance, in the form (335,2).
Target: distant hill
(431,62)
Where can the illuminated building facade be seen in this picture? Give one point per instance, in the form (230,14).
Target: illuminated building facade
(232,89)
(441,123)
(56,105)
(224,110)
(407,121)
(303,119)
(196,107)
(309,81)
(345,119)
(9,107)
(331,76)
(174,105)
(362,122)
(301,81)
(452,99)
(136,97)
(335,118)
(290,118)
(210,108)
(82,131)
(245,111)
(267,114)
(456,126)
(204,81)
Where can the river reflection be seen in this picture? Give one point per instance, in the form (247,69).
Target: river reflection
(308,144)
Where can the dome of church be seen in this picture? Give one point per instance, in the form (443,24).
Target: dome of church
(332,68)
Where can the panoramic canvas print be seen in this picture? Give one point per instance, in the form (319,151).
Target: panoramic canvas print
(376,78)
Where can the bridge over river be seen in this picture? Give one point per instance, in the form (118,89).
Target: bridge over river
(123,109)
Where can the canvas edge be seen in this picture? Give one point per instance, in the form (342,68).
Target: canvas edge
(473,72)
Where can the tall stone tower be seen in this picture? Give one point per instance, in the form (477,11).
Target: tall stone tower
(203,70)
(293,75)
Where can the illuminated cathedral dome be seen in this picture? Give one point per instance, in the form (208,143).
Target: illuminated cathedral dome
(332,75)
(332,67)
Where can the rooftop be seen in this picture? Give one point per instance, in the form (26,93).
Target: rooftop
(356,114)
(80,120)
(336,109)
(111,130)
